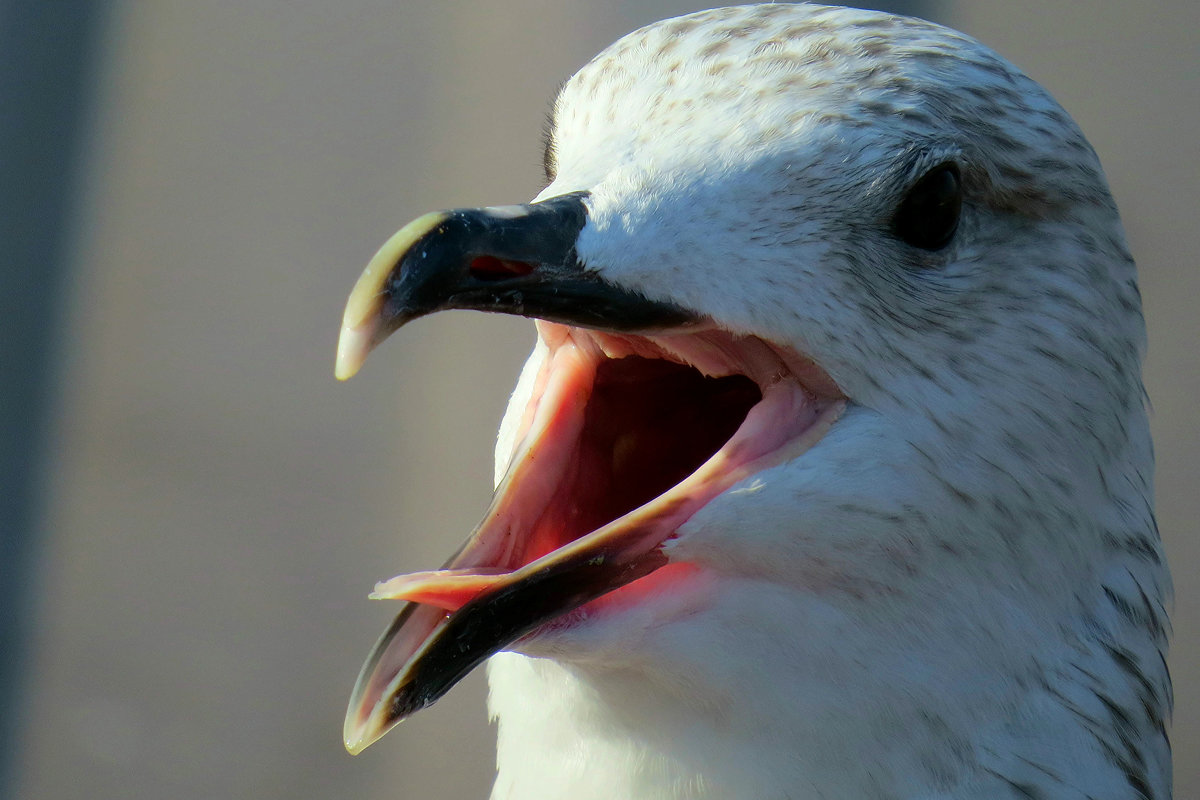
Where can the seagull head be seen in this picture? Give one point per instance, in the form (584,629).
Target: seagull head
(833,432)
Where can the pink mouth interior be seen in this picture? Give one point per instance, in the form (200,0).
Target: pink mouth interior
(624,438)
(648,424)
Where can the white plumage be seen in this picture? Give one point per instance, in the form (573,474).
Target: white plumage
(958,591)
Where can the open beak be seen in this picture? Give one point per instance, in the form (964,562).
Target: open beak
(515,260)
(639,416)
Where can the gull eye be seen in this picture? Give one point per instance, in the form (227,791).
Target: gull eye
(928,215)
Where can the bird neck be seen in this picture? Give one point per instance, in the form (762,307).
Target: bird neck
(873,718)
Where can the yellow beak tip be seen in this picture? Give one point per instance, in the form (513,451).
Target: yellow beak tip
(353,346)
(361,321)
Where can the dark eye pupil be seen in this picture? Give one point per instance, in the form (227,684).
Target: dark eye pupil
(928,215)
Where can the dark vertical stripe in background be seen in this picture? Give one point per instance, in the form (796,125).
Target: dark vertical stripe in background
(45,83)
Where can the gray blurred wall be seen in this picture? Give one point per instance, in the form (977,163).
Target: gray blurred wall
(220,506)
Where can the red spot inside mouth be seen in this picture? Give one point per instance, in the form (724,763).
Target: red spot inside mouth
(490,268)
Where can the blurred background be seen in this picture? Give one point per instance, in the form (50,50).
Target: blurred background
(195,510)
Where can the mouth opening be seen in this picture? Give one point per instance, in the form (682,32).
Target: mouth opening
(623,439)
(648,424)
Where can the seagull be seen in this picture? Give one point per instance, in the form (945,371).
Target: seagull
(829,475)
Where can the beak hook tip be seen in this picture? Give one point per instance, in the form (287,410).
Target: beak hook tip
(353,345)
